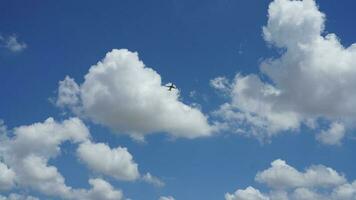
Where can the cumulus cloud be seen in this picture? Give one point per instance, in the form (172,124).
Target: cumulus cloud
(287,183)
(11,43)
(333,135)
(120,92)
(100,190)
(117,162)
(282,176)
(7,177)
(29,150)
(313,79)
(249,193)
(25,157)
(114,162)
(68,94)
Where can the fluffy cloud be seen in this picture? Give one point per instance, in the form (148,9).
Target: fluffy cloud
(29,150)
(333,135)
(11,43)
(100,190)
(26,155)
(305,84)
(287,183)
(7,177)
(114,162)
(117,162)
(249,193)
(120,92)
(68,94)
(281,176)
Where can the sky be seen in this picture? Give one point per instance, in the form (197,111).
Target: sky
(264,107)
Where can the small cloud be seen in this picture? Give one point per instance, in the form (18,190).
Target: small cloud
(148,178)
(221,84)
(166,198)
(333,135)
(193,94)
(11,43)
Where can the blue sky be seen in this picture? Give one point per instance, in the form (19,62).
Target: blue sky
(188,43)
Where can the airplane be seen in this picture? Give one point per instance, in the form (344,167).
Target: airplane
(170,87)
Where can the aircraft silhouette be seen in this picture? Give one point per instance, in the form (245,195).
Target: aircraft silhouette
(170,87)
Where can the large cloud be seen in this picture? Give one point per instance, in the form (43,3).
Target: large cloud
(287,183)
(26,155)
(120,92)
(313,79)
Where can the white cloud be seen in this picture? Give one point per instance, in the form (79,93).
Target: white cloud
(306,194)
(287,183)
(333,135)
(117,162)
(120,92)
(101,190)
(7,177)
(345,192)
(221,83)
(11,43)
(68,94)
(149,178)
(29,150)
(282,176)
(249,193)
(14,196)
(166,198)
(34,172)
(26,155)
(313,78)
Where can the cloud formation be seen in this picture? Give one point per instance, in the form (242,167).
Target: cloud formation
(117,162)
(7,177)
(249,193)
(312,80)
(14,196)
(12,44)
(120,92)
(149,178)
(282,176)
(333,135)
(26,154)
(101,190)
(287,183)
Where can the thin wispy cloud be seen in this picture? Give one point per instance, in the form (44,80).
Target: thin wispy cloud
(12,43)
